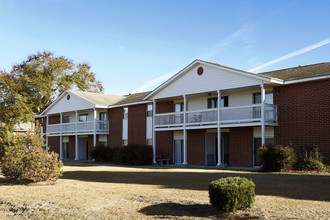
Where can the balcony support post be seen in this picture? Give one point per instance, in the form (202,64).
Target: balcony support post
(153,131)
(76,138)
(184,130)
(219,129)
(263,97)
(47,121)
(94,136)
(61,138)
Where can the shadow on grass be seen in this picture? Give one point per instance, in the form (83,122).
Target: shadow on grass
(12,182)
(307,187)
(176,209)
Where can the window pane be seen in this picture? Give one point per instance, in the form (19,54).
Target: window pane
(256,98)
(103,116)
(83,117)
(269,98)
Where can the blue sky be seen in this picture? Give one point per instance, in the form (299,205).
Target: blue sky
(133,45)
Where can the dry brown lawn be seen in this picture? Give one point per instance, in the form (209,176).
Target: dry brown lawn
(102,191)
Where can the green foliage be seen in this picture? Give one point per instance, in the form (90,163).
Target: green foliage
(135,154)
(231,193)
(25,159)
(33,84)
(132,154)
(104,154)
(313,160)
(276,158)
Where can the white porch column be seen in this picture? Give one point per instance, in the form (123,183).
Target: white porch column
(95,118)
(219,129)
(263,97)
(61,138)
(153,131)
(47,119)
(76,137)
(184,130)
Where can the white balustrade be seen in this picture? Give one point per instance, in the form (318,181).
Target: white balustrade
(80,127)
(228,115)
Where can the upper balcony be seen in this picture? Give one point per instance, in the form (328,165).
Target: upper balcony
(229,117)
(87,127)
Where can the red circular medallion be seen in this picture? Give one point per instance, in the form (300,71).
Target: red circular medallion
(200,71)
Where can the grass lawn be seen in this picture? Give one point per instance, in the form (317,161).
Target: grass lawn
(101,191)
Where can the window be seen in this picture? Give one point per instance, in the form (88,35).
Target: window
(65,150)
(125,142)
(149,142)
(257,145)
(83,117)
(178,107)
(149,110)
(125,113)
(103,143)
(65,119)
(257,98)
(213,102)
(102,116)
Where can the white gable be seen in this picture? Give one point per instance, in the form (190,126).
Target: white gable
(63,104)
(212,79)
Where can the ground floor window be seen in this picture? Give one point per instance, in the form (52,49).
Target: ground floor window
(257,145)
(149,142)
(103,143)
(65,150)
(125,142)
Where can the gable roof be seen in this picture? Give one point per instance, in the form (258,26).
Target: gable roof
(98,99)
(132,98)
(300,72)
(221,67)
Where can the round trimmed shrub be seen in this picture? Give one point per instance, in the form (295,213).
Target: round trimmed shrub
(232,193)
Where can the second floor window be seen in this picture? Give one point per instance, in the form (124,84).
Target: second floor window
(149,110)
(257,98)
(178,107)
(102,116)
(125,113)
(83,117)
(213,102)
(65,119)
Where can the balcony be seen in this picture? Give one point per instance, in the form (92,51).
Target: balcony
(229,116)
(102,127)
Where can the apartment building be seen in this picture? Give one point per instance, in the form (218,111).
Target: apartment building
(207,114)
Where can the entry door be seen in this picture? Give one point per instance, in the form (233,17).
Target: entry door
(82,148)
(178,151)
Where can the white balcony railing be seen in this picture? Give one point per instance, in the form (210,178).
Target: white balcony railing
(79,127)
(228,115)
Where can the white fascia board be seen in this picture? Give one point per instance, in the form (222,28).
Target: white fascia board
(53,103)
(253,75)
(39,116)
(128,104)
(307,79)
(60,97)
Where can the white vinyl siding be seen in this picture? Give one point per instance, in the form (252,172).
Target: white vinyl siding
(212,79)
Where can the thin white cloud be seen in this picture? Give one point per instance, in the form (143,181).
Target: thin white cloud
(152,84)
(290,55)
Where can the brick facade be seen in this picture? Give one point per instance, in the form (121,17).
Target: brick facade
(241,147)
(164,144)
(115,117)
(164,107)
(72,147)
(196,147)
(137,116)
(54,119)
(304,116)
(54,144)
